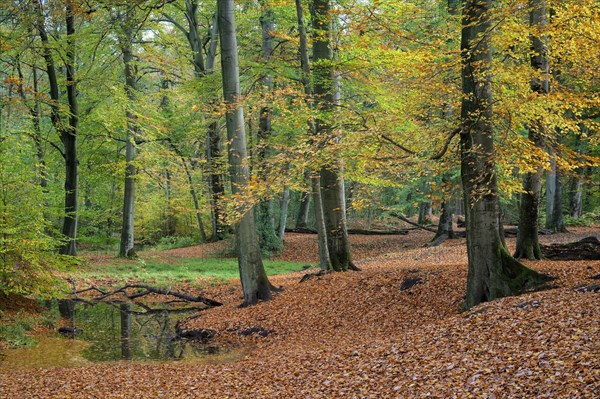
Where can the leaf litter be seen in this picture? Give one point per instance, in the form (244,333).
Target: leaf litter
(358,335)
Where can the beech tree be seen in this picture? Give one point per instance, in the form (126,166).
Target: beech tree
(254,280)
(66,125)
(325,95)
(492,271)
(528,245)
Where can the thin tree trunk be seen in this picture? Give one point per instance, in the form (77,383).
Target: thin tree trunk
(195,199)
(283,212)
(302,219)
(550,189)
(492,272)
(254,280)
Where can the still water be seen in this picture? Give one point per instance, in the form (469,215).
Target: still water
(117,331)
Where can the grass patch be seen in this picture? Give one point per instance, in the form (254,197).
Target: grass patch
(14,329)
(181,270)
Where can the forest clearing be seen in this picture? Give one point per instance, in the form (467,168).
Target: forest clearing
(361,335)
(299,199)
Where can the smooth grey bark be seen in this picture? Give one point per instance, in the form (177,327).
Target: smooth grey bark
(254,280)
(492,271)
(528,245)
(324,257)
(576,191)
(66,129)
(283,212)
(127,245)
(326,91)
(577,181)
(550,187)
(304,208)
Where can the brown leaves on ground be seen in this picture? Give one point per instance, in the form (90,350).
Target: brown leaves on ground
(357,335)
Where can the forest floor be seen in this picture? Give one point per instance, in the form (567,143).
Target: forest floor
(368,334)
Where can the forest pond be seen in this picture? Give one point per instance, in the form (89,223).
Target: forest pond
(116,331)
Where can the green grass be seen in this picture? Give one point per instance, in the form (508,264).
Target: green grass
(13,330)
(182,270)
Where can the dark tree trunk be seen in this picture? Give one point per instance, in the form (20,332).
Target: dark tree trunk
(576,207)
(325,94)
(444,230)
(254,280)
(324,257)
(302,219)
(127,246)
(67,130)
(216,183)
(492,272)
(528,245)
(269,239)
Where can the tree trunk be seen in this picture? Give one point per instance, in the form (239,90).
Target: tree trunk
(332,184)
(283,212)
(550,189)
(302,219)
(324,257)
(254,280)
(528,245)
(269,240)
(492,272)
(127,246)
(195,199)
(444,230)
(67,130)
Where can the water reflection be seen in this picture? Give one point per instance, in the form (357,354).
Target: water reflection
(119,330)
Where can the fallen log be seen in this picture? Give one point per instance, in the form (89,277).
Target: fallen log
(146,290)
(353,231)
(585,249)
(513,231)
(406,220)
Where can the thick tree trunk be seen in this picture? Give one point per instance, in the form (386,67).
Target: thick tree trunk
(492,272)
(254,280)
(324,257)
(127,246)
(332,184)
(528,245)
